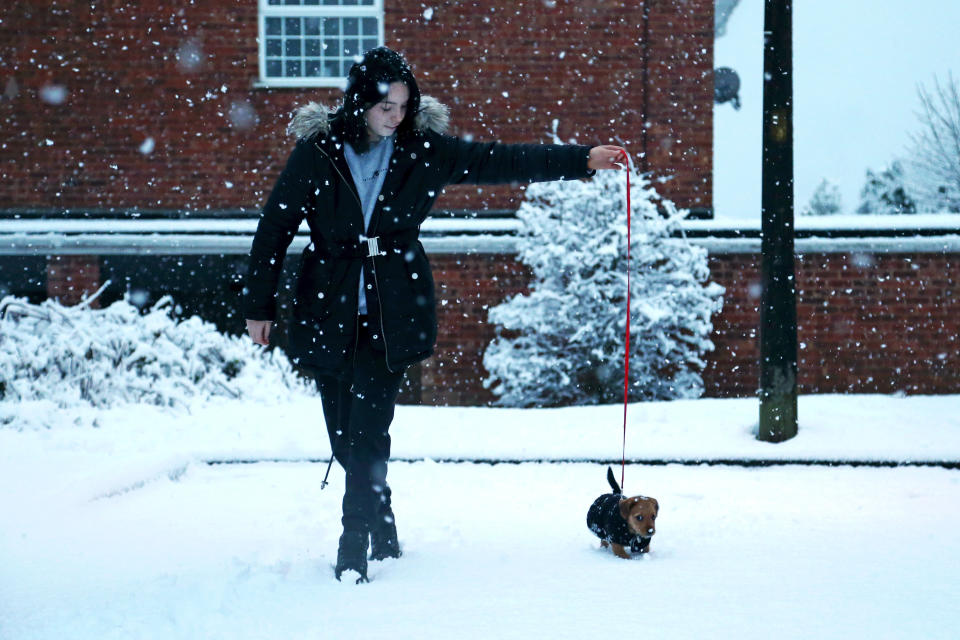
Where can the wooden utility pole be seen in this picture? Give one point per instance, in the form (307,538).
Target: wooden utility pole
(778,312)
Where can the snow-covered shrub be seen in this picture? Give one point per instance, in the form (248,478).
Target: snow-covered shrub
(79,356)
(563,343)
(825,200)
(886,192)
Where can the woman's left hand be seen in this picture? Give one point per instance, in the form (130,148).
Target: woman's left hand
(607,157)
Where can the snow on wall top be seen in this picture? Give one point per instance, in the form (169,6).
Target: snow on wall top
(923,233)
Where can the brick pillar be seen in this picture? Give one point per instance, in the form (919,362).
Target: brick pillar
(70,278)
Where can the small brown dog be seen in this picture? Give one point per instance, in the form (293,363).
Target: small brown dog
(621,522)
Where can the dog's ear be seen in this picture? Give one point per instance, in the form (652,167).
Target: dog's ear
(625,505)
(656,506)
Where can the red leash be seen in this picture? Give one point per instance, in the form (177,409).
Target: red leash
(626,357)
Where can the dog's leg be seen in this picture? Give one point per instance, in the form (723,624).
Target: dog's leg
(641,547)
(619,551)
(604,544)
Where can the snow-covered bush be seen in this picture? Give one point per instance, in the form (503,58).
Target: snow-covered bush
(79,356)
(886,192)
(563,343)
(825,200)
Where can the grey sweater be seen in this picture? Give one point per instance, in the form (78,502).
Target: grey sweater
(369,171)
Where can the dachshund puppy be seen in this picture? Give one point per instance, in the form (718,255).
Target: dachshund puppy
(621,522)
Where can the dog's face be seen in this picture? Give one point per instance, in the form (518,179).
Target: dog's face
(640,513)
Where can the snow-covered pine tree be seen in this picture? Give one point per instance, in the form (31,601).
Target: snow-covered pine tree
(885,192)
(563,343)
(825,200)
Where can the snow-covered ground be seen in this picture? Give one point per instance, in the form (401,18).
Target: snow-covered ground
(122,530)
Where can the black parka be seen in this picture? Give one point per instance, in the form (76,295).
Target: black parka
(316,185)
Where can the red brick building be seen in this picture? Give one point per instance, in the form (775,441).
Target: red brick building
(117,115)
(163,106)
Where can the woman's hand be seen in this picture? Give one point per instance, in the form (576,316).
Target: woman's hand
(607,157)
(259,331)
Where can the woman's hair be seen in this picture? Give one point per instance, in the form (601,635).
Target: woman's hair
(367,84)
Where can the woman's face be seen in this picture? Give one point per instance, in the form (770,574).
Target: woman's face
(384,117)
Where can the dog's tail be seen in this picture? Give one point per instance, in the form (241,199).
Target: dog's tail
(612,480)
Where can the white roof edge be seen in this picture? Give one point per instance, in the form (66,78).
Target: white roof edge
(452,235)
(853,222)
(927,221)
(245,226)
(203,244)
(913,244)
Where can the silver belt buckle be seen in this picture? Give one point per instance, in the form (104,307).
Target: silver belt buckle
(373,246)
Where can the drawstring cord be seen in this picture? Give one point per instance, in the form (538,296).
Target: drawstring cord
(324,483)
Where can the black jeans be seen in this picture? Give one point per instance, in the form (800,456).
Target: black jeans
(358,410)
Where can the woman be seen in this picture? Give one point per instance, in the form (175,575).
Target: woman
(365,176)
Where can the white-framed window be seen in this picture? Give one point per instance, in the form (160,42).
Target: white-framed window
(312,43)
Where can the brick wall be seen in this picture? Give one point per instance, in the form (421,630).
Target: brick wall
(72,278)
(466,287)
(140,127)
(867,323)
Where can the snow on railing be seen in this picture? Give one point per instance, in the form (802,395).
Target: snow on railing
(226,236)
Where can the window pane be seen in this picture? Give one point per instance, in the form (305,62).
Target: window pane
(291,26)
(306,2)
(316,46)
(274,2)
(291,2)
(351,47)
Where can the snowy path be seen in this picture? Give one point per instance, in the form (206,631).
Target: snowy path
(489,551)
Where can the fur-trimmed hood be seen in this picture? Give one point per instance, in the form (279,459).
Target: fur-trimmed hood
(314,118)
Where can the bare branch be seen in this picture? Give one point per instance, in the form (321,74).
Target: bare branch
(935,163)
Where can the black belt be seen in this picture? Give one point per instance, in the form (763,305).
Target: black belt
(370,247)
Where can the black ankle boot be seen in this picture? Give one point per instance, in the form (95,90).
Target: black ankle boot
(352,554)
(383,536)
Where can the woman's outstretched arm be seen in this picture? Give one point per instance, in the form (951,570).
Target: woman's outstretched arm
(496,163)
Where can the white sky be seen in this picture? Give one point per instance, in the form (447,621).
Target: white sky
(857,65)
